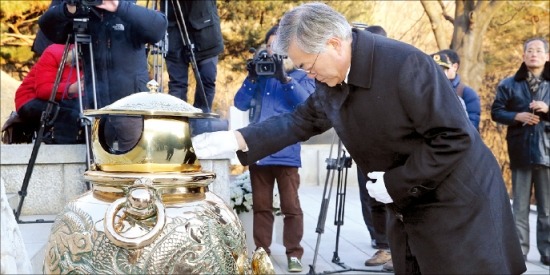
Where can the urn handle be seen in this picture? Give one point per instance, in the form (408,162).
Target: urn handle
(140,204)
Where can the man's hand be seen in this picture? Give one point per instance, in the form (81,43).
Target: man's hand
(280,73)
(252,75)
(539,106)
(109,5)
(527,118)
(377,190)
(221,144)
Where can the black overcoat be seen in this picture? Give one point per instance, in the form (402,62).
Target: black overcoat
(398,114)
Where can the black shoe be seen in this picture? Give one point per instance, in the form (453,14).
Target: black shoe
(545,260)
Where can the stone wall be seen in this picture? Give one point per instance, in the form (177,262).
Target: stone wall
(57,177)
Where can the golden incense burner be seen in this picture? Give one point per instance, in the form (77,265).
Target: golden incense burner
(150,210)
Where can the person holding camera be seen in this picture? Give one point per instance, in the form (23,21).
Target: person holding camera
(398,116)
(118,31)
(273,87)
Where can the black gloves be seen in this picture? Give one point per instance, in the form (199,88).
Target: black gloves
(280,73)
(250,67)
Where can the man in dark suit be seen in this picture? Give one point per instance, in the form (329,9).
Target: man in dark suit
(399,118)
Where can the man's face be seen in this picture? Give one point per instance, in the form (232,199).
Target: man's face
(451,74)
(329,66)
(535,55)
(447,71)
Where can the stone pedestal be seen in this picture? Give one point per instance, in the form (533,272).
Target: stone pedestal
(57,177)
(14,258)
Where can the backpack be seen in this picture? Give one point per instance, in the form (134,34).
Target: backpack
(16,131)
(460,89)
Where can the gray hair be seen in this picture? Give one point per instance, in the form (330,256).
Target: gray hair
(544,42)
(311,25)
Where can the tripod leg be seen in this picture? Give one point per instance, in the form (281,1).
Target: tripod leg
(44,120)
(84,122)
(320,229)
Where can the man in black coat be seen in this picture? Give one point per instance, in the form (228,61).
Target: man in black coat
(199,22)
(402,123)
(522,103)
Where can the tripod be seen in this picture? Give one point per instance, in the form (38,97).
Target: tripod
(341,165)
(180,21)
(158,51)
(202,125)
(50,114)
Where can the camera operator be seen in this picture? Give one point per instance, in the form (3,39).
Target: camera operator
(269,91)
(118,31)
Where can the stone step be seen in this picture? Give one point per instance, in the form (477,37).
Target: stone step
(36,238)
(13,200)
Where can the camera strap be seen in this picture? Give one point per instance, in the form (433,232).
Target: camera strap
(256,110)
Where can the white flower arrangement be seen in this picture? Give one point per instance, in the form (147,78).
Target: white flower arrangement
(241,195)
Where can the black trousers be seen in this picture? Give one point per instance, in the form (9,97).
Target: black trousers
(374,214)
(66,127)
(177,65)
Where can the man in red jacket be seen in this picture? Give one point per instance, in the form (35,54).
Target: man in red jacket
(31,98)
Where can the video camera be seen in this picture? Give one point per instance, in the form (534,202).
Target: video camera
(263,62)
(84,2)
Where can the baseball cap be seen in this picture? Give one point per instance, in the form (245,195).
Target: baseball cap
(442,60)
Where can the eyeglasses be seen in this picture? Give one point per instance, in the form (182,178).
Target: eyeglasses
(311,68)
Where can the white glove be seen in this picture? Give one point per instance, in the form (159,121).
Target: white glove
(215,145)
(377,190)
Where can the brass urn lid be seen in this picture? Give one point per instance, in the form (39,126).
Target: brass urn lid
(151,103)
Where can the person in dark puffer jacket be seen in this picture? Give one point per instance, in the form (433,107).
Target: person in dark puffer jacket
(119,31)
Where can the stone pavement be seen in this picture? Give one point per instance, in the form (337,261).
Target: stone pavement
(353,244)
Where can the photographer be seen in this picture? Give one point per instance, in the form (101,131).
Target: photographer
(269,91)
(118,31)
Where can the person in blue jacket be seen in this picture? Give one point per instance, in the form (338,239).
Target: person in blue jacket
(118,31)
(470,97)
(267,96)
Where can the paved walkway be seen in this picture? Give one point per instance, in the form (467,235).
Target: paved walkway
(353,245)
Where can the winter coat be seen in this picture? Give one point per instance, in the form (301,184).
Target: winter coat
(40,80)
(399,114)
(202,23)
(276,98)
(527,145)
(41,42)
(471,100)
(118,42)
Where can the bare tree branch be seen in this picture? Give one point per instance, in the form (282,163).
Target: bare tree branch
(445,14)
(434,14)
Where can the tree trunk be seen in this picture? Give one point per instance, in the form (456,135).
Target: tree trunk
(470,24)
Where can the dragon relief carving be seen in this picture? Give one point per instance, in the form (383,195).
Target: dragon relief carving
(205,241)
